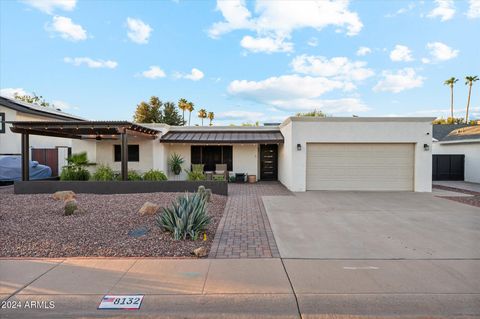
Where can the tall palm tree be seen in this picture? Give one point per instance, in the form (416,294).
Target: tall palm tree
(211,116)
(469,81)
(183,105)
(190,110)
(451,82)
(202,114)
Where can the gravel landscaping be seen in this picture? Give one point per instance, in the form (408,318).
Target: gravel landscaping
(34,226)
(473,200)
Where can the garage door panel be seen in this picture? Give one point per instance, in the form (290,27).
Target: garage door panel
(360,167)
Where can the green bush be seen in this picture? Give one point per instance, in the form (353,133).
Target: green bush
(195,175)
(104,173)
(76,169)
(187,217)
(134,176)
(154,175)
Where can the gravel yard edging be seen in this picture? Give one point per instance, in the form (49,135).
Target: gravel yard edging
(117,187)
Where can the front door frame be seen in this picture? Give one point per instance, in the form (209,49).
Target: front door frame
(268,171)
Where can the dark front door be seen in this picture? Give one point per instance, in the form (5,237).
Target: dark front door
(269,162)
(448,167)
(48,157)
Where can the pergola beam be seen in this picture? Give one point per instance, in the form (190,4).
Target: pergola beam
(124,155)
(25,157)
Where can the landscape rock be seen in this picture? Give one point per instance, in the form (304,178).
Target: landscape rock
(64,195)
(70,206)
(148,209)
(200,252)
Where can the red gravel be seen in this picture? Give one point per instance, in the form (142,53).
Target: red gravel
(34,226)
(473,200)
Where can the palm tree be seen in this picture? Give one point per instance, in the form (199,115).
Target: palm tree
(202,114)
(190,109)
(450,82)
(211,116)
(183,105)
(469,81)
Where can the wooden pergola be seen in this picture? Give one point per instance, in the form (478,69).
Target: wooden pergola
(84,130)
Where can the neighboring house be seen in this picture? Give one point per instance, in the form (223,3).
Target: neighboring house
(335,153)
(456,152)
(50,151)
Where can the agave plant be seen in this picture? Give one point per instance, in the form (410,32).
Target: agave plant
(175,163)
(187,216)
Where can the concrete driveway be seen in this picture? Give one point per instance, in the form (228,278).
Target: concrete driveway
(373,225)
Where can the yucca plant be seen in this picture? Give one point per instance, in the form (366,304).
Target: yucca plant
(187,216)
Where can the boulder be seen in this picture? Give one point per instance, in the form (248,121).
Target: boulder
(200,252)
(70,206)
(149,209)
(64,195)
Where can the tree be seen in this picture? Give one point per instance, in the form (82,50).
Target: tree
(251,124)
(170,115)
(314,113)
(211,116)
(469,81)
(35,99)
(202,113)
(183,105)
(190,110)
(149,112)
(451,82)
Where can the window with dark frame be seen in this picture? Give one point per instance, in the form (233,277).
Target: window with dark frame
(211,155)
(2,123)
(133,153)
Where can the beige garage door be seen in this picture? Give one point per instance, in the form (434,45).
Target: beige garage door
(379,167)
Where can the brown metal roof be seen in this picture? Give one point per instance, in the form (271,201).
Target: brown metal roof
(222,137)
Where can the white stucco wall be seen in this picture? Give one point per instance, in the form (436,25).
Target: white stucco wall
(354,130)
(472,157)
(245,159)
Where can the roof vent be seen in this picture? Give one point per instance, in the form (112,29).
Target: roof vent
(271,124)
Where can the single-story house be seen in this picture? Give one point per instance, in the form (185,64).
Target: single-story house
(303,153)
(48,150)
(456,152)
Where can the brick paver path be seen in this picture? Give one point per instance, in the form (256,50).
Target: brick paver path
(244,231)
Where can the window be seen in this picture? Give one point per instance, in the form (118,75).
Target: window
(211,155)
(2,123)
(133,153)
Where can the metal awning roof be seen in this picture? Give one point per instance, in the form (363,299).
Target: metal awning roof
(222,137)
(82,129)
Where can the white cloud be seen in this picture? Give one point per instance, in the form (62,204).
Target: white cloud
(473,9)
(340,68)
(10,92)
(49,6)
(62,105)
(67,29)
(440,52)
(331,106)
(445,10)
(138,31)
(278,19)
(266,44)
(403,10)
(313,42)
(154,72)
(396,82)
(240,115)
(194,75)
(401,53)
(362,51)
(91,63)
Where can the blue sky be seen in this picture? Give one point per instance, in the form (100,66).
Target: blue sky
(244,60)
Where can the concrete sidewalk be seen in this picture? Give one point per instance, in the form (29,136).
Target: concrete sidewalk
(244,288)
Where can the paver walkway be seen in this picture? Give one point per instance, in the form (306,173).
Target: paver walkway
(244,231)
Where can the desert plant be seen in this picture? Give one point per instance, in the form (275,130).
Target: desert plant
(205,192)
(195,175)
(154,175)
(70,207)
(76,169)
(232,178)
(218,177)
(134,176)
(175,163)
(104,173)
(187,217)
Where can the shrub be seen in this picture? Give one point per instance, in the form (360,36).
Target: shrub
(187,217)
(104,173)
(195,176)
(154,175)
(218,177)
(76,169)
(134,176)
(70,207)
(206,193)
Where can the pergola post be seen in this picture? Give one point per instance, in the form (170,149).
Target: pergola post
(124,154)
(25,157)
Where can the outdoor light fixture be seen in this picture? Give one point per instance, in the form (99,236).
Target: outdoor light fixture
(299,147)
(426,147)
